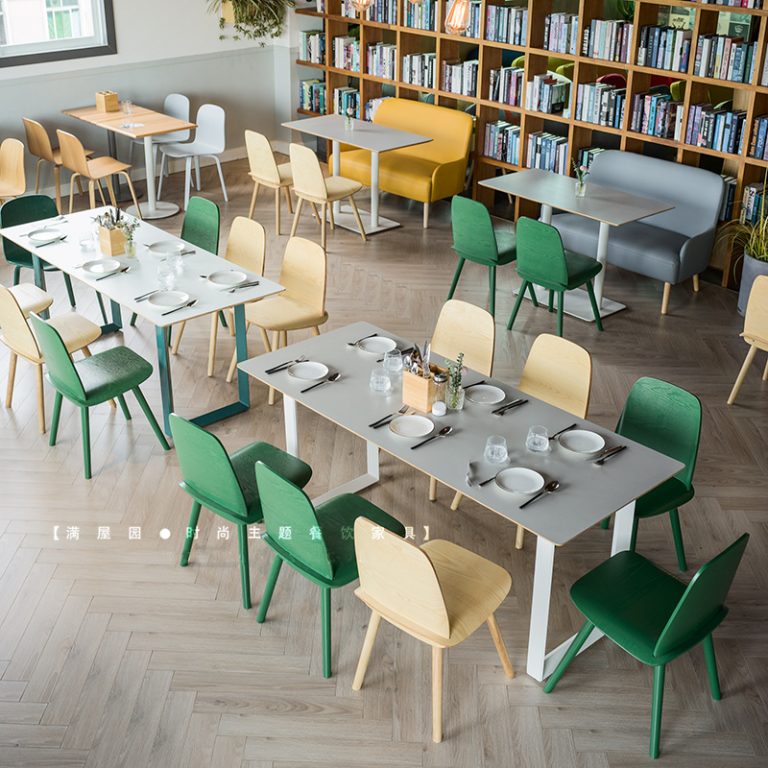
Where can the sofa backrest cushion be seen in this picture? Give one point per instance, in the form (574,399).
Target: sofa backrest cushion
(695,192)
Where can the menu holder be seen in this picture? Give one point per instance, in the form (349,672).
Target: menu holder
(107,101)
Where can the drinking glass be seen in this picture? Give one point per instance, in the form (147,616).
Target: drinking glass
(393,362)
(538,439)
(496,449)
(380,381)
(127,108)
(166,275)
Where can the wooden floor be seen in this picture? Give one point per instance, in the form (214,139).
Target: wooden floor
(112,655)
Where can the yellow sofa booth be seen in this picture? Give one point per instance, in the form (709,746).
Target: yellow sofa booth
(426,172)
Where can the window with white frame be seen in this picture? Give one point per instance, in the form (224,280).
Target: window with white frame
(47,30)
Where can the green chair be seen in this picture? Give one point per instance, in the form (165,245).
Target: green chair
(319,542)
(542,260)
(91,381)
(664,417)
(653,616)
(476,239)
(226,484)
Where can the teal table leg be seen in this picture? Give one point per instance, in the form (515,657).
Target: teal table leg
(166,387)
(39,272)
(117,319)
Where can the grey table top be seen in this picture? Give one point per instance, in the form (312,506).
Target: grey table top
(587,494)
(601,203)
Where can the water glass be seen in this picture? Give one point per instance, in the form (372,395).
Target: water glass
(380,381)
(496,449)
(177,263)
(538,439)
(393,362)
(127,109)
(166,276)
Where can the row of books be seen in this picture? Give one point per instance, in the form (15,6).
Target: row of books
(312,46)
(758,145)
(506,25)
(735,3)
(475,16)
(561,32)
(752,205)
(607,39)
(384,11)
(346,101)
(381,60)
(655,114)
(502,142)
(600,104)
(312,95)
(729,196)
(664,48)
(460,77)
(725,58)
(587,155)
(346,53)
(547,94)
(420,15)
(547,151)
(506,85)
(719,129)
(419,69)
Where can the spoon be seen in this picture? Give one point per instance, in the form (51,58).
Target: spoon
(550,487)
(442,433)
(355,343)
(333,377)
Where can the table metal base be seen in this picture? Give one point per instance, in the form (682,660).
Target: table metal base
(577,304)
(345,219)
(162,210)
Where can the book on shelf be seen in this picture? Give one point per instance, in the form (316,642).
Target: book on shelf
(561,33)
(655,114)
(346,101)
(547,151)
(754,4)
(764,75)
(505,85)
(505,24)
(320,5)
(758,143)
(312,46)
(729,195)
(587,156)
(346,53)
(725,58)
(475,16)
(312,96)
(546,93)
(607,39)
(719,129)
(460,77)
(502,142)
(381,60)
(601,104)
(664,48)
(419,69)
(752,206)
(420,15)
(382,11)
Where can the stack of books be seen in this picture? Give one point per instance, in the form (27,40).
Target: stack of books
(312,46)
(664,48)
(720,129)
(758,145)
(382,60)
(312,96)
(420,15)
(561,32)
(752,202)
(725,58)
(505,85)
(346,53)
(601,104)
(607,39)
(419,69)
(460,77)
(502,142)
(384,11)
(506,25)
(655,114)
(726,209)
(587,156)
(547,94)
(548,152)
(346,101)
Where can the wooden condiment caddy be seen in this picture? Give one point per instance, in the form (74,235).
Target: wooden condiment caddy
(419,393)
(107,101)
(111,241)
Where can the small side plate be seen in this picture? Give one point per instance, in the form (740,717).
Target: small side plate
(227,278)
(411,426)
(582,441)
(308,371)
(485,394)
(519,480)
(168,299)
(376,345)
(45,235)
(166,248)
(99,267)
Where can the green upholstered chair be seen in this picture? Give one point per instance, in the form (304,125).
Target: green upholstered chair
(542,260)
(476,239)
(653,616)
(317,542)
(666,418)
(94,380)
(226,483)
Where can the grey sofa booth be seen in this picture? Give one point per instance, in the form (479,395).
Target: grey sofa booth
(672,246)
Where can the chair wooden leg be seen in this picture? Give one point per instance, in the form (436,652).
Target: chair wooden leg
(315,332)
(325,619)
(92,193)
(432,489)
(518,302)
(296,215)
(456,500)
(359,221)
(277,210)
(179,333)
(40,399)
(11,379)
(133,193)
(190,537)
(425,216)
(212,343)
(269,588)
(245,574)
(72,193)
(519,537)
(111,191)
(57,186)
(367,649)
(742,374)
(288,198)
(570,655)
(765,371)
(456,276)
(79,181)
(323,217)
(656,705)
(86,437)
(37,175)
(677,536)
(253,199)
(709,657)
(276,336)
(696,284)
(331,219)
(437,694)
(665,298)
(315,212)
(265,340)
(101,193)
(501,649)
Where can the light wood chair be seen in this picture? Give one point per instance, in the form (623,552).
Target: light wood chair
(74,159)
(76,332)
(439,593)
(467,328)
(755,331)
(301,305)
(266,172)
(13,181)
(309,184)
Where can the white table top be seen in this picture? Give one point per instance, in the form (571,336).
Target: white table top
(366,135)
(605,204)
(142,275)
(587,494)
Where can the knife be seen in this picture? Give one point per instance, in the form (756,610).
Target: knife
(111,274)
(504,408)
(608,454)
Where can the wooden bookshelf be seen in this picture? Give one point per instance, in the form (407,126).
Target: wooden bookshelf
(753,98)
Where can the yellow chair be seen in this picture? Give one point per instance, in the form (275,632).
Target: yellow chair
(755,331)
(74,158)
(30,298)
(439,593)
(13,181)
(309,184)
(265,171)
(76,332)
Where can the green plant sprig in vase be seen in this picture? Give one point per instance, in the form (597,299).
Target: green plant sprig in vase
(454,393)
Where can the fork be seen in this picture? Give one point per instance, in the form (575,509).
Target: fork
(384,420)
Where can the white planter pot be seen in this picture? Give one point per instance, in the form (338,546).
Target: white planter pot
(752,269)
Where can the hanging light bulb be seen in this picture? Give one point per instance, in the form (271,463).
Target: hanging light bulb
(361,6)
(457,20)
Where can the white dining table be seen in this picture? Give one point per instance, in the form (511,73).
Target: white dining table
(122,289)
(587,495)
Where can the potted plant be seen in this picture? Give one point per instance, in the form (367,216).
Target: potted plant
(116,233)
(252,19)
(454,392)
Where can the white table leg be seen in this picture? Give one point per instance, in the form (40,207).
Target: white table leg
(336,150)
(291,426)
(602,257)
(546,214)
(374,189)
(153,208)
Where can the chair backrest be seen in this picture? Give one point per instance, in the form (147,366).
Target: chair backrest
(211,128)
(308,179)
(61,369)
(261,159)
(473,236)
(756,318)
(540,253)
(702,606)
(399,578)
(206,467)
(23,210)
(202,221)
(464,327)
(16,331)
(291,521)
(38,140)
(247,244)
(12,165)
(303,273)
(72,153)
(176,105)
(560,373)
(664,417)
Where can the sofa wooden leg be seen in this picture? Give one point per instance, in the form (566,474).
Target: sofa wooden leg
(425,222)
(665,298)
(696,285)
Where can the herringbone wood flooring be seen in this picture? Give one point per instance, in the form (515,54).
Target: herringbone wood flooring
(112,655)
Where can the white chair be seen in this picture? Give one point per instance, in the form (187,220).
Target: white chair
(210,141)
(175,105)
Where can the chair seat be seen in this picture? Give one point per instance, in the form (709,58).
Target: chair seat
(286,176)
(281,313)
(110,373)
(631,600)
(669,495)
(30,298)
(580,268)
(100,167)
(339,187)
(189,149)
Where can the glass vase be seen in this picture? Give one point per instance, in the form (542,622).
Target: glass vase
(581,188)
(454,398)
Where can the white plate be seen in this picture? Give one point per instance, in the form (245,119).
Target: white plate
(101,266)
(227,278)
(168,299)
(308,371)
(45,235)
(377,345)
(484,394)
(582,441)
(411,426)
(519,480)
(167,248)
